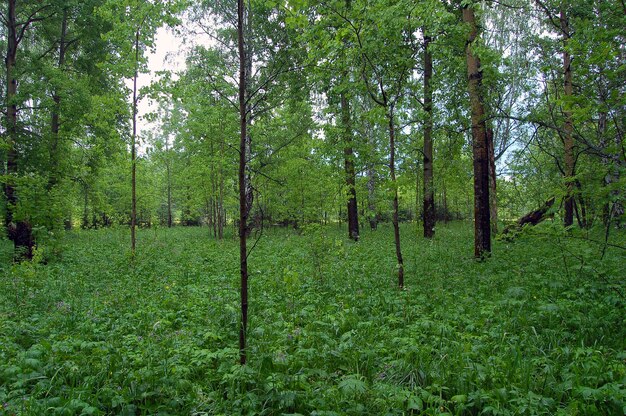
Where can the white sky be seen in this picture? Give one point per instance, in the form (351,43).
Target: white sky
(167,55)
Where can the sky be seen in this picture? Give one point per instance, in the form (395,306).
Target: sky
(168,54)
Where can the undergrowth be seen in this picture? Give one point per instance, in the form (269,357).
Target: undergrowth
(537,329)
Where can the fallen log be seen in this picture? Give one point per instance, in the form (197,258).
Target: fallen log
(532,218)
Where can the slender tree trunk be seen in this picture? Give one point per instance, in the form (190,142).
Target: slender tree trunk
(340,215)
(444,203)
(133,154)
(371,185)
(168,169)
(353,215)
(169,196)
(482,226)
(221,215)
(55,124)
(212,211)
(394,184)
(429,194)
(583,218)
(606,181)
(85,223)
(243,184)
(568,128)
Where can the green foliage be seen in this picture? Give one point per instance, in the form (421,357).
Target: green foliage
(538,329)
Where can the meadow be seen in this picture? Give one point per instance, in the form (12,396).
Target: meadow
(537,329)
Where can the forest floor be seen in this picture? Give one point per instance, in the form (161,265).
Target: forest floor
(538,328)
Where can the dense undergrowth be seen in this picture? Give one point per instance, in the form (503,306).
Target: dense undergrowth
(539,328)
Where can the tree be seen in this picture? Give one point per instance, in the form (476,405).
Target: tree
(19,229)
(576,101)
(136,22)
(386,63)
(429,193)
(482,226)
(352,209)
(244,152)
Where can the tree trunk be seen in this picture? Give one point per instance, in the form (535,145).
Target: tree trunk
(212,209)
(221,215)
(482,227)
(353,215)
(392,170)
(444,203)
(243,183)
(532,218)
(568,127)
(371,187)
(133,154)
(85,222)
(21,232)
(429,194)
(55,124)
(169,182)
(583,218)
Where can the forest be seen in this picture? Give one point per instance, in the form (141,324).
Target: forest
(331,207)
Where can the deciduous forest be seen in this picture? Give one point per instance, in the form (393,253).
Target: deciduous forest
(331,207)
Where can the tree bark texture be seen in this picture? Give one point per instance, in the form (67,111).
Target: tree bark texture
(568,127)
(55,124)
(243,183)
(353,214)
(429,193)
(394,184)
(482,226)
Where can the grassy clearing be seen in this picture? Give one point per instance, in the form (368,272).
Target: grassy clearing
(537,329)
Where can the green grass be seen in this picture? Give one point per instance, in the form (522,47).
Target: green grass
(539,328)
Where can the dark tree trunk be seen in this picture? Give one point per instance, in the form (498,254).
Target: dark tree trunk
(371,186)
(429,193)
(353,215)
(212,203)
(568,128)
(85,221)
(583,218)
(482,226)
(392,170)
(168,169)
(221,215)
(243,183)
(19,232)
(55,123)
(444,203)
(133,154)
(532,218)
